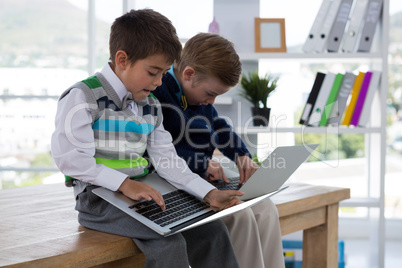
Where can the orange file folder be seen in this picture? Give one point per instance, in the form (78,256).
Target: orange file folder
(354,95)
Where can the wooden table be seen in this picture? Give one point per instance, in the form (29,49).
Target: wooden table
(39,228)
(313,209)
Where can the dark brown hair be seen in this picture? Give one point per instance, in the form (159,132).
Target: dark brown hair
(143,33)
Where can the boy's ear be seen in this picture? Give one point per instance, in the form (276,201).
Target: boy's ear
(121,59)
(188,73)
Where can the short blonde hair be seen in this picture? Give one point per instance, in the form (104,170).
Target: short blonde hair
(211,55)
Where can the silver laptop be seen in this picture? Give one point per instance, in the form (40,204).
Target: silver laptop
(272,174)
(184,211)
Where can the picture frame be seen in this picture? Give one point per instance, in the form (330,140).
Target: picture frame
(269,35)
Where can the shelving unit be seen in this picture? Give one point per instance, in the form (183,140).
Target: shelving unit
(308,130)
(344,57)
(240,28)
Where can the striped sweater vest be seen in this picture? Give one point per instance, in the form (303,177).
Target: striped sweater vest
(120,136)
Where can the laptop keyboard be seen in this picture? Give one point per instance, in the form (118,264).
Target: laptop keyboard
(179,205)
(232,185)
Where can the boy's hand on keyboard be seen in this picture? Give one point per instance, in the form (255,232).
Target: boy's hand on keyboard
(137,191)
(215,171)
(246,167)
(220,200)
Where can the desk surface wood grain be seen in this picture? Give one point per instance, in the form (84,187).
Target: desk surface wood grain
(302,197)
(38,226)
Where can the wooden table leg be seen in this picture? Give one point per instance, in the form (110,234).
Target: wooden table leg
(320,243)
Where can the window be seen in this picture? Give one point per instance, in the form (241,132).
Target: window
(43,52)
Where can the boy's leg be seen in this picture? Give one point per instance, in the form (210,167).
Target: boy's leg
(266,215)
(97,214)
(209,245)
(245,236)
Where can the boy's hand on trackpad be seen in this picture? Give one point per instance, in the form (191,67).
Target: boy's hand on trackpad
(220,200)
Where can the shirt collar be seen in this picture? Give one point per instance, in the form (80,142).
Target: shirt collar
(114,81)
(179,93)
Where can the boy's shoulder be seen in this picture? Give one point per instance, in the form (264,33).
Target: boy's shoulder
(89,83)
(92,82)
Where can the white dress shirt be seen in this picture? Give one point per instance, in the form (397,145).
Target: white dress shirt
(73,146)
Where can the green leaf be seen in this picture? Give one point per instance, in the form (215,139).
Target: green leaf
(256,89)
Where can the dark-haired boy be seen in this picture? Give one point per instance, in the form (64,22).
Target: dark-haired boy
(105,123)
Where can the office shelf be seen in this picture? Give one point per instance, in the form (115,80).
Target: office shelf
(375,145)
(313,57)
(308,130)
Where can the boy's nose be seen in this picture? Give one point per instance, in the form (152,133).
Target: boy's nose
(158,81)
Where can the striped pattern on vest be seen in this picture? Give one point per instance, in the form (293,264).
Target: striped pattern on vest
(120,136)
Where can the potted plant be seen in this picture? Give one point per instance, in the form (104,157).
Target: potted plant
(256,90)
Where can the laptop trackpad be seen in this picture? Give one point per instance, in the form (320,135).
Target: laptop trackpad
(157,182)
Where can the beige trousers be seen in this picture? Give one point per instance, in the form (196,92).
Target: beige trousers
(256,236)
